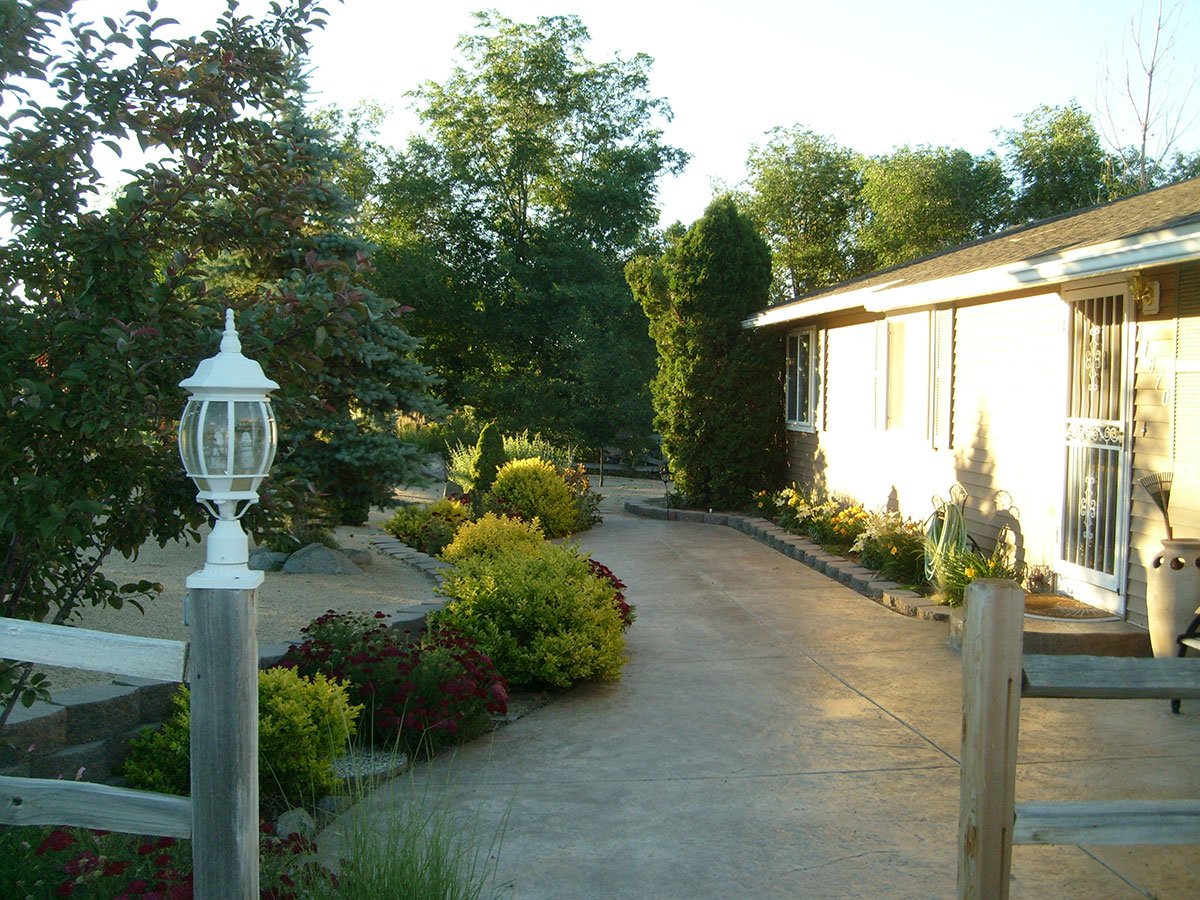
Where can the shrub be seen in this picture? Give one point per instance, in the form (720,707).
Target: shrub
(303,723)
(524,445)
(604,573)
(419,696)
(894,547)
(534,489)
(489,457)
(958,568)
(460,464)
(429,527)
(544,619)
(437,437)
(587,501)
(493,534)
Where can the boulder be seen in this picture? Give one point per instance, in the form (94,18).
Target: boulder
(267,560)
(317,559)
(296,821)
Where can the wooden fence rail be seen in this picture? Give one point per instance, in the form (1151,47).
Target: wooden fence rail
(41,801)
(995,677)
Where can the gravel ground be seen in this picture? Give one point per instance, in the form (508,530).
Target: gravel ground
(286,603)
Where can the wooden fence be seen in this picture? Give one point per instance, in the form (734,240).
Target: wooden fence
(40,801)
(995,677)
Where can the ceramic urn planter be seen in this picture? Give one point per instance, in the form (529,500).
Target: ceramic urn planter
(1173,593)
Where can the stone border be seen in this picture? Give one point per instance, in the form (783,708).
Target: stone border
(886,593)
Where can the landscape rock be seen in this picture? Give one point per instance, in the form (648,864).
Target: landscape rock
(360,557)
(267,560)
(317,559)
(296,821)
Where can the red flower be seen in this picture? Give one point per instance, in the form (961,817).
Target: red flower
(55,841)
(65,889)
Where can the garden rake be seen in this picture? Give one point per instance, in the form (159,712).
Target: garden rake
(1158,486)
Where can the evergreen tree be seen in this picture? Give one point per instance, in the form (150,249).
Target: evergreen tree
(718,392)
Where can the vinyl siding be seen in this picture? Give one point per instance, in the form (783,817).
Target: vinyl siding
(1009,406)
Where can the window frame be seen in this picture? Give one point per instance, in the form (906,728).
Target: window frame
(791,380)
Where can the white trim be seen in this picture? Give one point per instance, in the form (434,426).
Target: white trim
(808,425)
(1107,592)
(1168,245)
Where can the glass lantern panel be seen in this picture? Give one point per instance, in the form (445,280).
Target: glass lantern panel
(189,432)
(254,444)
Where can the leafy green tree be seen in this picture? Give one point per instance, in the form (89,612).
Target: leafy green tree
(511,221)
(105,307)
(925,199)
(1057,162)
(718,392)
(805,194)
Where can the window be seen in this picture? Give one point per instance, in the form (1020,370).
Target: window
(914,375)
(801,392)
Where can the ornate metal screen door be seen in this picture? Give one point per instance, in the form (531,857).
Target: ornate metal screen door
(1094,526)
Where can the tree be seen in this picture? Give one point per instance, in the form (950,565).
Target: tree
(1057,162)
(1156,98)
(515,214)
(104,308)
(805,194)
(718,392)
(925,199)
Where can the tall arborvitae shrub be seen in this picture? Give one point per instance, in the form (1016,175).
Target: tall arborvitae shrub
(488,459)
(718,393)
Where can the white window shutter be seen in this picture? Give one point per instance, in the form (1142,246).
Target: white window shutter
(941,381)
(881,373)
(1185,418)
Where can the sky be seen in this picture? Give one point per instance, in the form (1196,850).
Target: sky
(869,74)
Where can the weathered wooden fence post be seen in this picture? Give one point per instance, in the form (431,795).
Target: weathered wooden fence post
(224,744)
(991,692)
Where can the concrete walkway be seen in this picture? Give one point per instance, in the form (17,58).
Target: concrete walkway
(777,735)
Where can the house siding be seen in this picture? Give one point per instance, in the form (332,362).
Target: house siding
(1008,389)
(1009,406)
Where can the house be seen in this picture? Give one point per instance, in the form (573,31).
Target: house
(1044,369)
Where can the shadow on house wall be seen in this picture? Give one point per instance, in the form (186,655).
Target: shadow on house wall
(991,513)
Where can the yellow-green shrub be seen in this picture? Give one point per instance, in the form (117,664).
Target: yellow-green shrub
(493,534)
(534,489)
(544,618)
(428,527)
(303,723)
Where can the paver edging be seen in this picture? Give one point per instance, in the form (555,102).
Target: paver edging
(846,571)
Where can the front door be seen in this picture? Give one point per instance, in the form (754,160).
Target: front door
(1094,528)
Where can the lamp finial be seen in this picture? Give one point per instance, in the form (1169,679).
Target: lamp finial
(230,342)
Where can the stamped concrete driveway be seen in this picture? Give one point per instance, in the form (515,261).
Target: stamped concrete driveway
(776,735)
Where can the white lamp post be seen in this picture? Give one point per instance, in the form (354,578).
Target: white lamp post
(227,442)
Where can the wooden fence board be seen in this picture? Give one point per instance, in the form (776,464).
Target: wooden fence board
(1111,822)
(95,651)
(1117,677)
(43,801)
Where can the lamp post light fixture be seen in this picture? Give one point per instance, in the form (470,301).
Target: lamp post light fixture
(227,440)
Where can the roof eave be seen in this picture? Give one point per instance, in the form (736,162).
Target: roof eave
(1153,248)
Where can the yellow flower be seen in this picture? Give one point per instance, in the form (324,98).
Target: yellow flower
(970,573)
(894,550)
